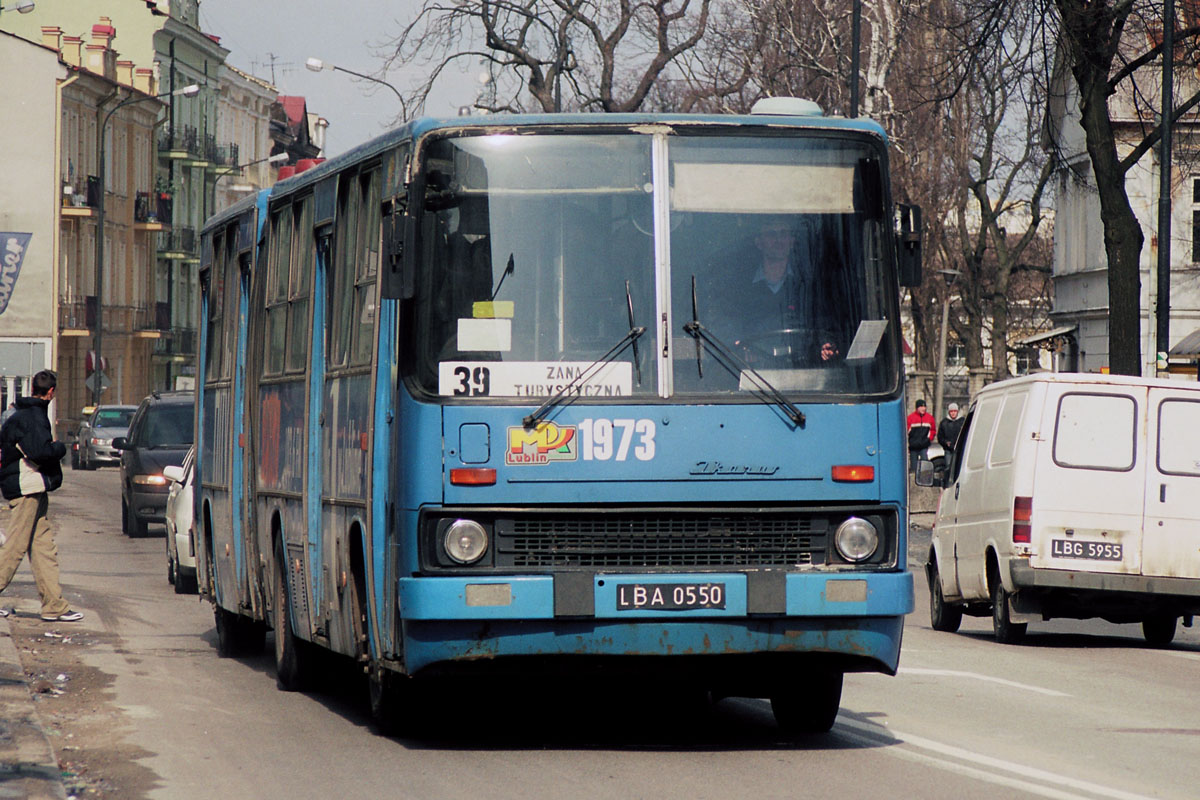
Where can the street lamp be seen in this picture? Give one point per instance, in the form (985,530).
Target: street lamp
(940,382)
(21,7)
(278,158)
(316,65)
(98,363)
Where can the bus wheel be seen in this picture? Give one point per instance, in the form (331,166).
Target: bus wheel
(942,617)
(237,635)
(1159,631)
(1006,631)
(811,707)
(291,656)
(392,701)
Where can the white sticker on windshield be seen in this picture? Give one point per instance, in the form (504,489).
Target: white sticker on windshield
(533,379)
(866,340)
(484,335)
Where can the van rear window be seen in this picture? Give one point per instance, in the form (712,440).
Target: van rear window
(1179,437)
(1095,431)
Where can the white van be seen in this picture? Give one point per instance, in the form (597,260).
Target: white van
(1070,495)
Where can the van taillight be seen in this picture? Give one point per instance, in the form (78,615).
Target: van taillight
(1022,511)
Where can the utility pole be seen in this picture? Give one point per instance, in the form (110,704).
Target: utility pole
(1162,306)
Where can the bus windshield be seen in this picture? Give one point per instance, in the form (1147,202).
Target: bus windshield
(744,258)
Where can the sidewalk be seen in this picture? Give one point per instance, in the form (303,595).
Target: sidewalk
(28,767)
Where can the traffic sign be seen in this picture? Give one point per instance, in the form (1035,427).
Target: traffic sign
(97,377)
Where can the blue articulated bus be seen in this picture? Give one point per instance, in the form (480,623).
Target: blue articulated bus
(583,396)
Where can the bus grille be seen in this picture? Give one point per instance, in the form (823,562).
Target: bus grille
(668,540)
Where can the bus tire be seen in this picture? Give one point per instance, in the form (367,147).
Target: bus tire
(392,702)
(942,616)
(237,635)
(811,707)
(292,659)
(1159,631)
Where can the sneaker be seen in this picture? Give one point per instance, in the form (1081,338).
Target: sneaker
(4,612)
(68,616)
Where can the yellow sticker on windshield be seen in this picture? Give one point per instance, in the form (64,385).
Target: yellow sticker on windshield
(493,309)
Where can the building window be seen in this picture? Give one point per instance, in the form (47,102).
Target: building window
(956,354)
(1196,219)
(1027,360)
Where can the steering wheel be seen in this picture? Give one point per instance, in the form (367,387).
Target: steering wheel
(795,346)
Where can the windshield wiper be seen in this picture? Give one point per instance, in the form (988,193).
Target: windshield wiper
(764,388)
(699,341)
(587,374)
(509,269)
(637,362)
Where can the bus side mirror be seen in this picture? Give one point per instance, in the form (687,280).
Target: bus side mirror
(908,244)
(399,264)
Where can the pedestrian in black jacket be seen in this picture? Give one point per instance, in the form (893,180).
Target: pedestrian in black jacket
(31,468)
(950,428)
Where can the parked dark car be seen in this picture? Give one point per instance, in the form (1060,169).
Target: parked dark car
(159,436)
(97,432)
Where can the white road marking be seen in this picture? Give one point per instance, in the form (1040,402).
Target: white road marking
(954,673)
(1050,781)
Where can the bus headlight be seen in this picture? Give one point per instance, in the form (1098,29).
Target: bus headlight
(465,541)
(856,539)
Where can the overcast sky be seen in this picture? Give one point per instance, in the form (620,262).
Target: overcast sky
(350,34)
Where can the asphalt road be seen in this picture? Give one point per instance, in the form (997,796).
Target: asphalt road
(1082,710)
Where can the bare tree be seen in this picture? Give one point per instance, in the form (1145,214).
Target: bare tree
(1005,179)
(1107,48)
(606,55)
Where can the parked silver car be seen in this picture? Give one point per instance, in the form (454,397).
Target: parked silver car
(181,541)
(97,432)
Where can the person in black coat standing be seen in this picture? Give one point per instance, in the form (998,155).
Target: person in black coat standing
(31,468)
(949,428)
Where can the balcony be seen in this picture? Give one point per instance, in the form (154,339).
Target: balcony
(77,317)
(178,345)
(152,211)
(178,243)
(81,198)
(182,143)
(222,158)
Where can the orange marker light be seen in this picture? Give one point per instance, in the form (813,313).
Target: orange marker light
(473,476)
(853,473)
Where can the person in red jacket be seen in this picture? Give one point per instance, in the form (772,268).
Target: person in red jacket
(922,428)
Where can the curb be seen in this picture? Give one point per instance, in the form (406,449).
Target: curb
(28,766)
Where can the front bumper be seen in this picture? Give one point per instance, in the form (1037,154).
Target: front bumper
(855,618)
(149,506)
(101,455)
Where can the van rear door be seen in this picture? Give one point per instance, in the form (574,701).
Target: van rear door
(1171,543)
(1090,486)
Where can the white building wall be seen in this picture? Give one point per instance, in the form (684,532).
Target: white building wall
(29,199)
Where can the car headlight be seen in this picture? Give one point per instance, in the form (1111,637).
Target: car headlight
(856,539)
(465,541)
(150,480)
(101,442)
